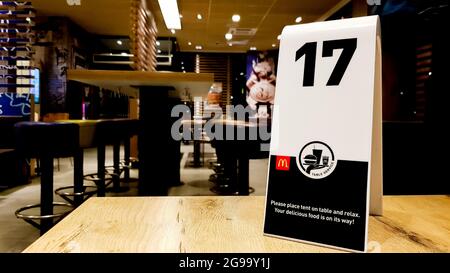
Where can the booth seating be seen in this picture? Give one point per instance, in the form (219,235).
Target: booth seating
(46,141)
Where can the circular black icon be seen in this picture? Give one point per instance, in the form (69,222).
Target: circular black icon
(316,160)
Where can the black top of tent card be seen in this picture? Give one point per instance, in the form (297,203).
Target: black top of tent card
(332,209)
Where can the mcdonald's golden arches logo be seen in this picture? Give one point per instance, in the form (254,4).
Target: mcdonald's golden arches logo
(282,163)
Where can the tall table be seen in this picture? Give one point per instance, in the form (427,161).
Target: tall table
(159,166)
(230,224)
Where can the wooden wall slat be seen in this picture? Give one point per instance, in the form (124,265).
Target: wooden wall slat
(221,67)
(424,55)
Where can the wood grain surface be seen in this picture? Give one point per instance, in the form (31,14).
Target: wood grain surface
(130,81)
(230,224)
(137,78)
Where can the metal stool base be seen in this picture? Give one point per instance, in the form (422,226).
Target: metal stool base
(110,170)
(93,177)
(86,193)
(31,219)
(219,178)
(224,190)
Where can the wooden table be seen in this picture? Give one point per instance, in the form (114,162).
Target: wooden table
(230,224)
(111,79)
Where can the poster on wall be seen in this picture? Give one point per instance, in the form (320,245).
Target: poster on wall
(15,104)
(261,82)
(325,169)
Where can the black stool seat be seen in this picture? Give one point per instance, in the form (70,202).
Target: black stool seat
(57,139)
(45,141)
(109,131)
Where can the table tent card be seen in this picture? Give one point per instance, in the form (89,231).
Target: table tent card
(325,166)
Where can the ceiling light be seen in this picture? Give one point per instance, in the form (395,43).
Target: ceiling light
(279,37)
(182,67)
(198,47)
(119,42)
(199,16)
(252,48)
(274,45)
(158,43)
(228,36)
(236,18)
(298,19)
(169,10)
(189,43)
(173,31)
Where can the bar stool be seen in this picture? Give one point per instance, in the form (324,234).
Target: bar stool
(131,128)
(113,132)
(99,139)
(45,141)
(225,179)
(124,130)
(80,192)
(234,155)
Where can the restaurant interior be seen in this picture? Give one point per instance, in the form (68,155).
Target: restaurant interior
(109,98)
